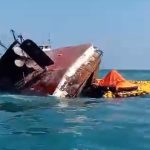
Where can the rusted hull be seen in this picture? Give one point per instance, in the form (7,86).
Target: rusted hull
(51,80)
(82,73)
(61,72)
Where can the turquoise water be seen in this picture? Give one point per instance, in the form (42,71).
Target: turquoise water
(48,123)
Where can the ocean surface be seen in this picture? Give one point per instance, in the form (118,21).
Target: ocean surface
(49,123)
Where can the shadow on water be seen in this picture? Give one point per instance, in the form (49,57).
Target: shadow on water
(17,103)
(20,103)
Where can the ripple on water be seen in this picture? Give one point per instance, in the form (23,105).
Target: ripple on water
(45,123)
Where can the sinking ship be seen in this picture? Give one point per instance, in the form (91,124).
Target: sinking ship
(64,72)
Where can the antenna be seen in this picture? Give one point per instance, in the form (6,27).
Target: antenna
(1,44)
(21,38)
(49,41)
(13,33)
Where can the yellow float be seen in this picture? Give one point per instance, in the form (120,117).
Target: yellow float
(143,89)
(114,85)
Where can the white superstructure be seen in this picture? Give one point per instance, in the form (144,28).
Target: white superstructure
(45,48)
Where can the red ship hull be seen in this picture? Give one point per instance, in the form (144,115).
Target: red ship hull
(70,69)
(63,59)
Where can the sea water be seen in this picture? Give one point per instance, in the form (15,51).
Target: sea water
(49,123)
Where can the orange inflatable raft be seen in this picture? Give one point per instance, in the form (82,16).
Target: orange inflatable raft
(115,82)
(115,85)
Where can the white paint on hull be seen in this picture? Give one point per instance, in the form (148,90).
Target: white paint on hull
(84,59)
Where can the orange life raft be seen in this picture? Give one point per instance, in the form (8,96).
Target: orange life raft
(114,81)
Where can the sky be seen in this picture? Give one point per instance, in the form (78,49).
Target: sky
(120,28)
